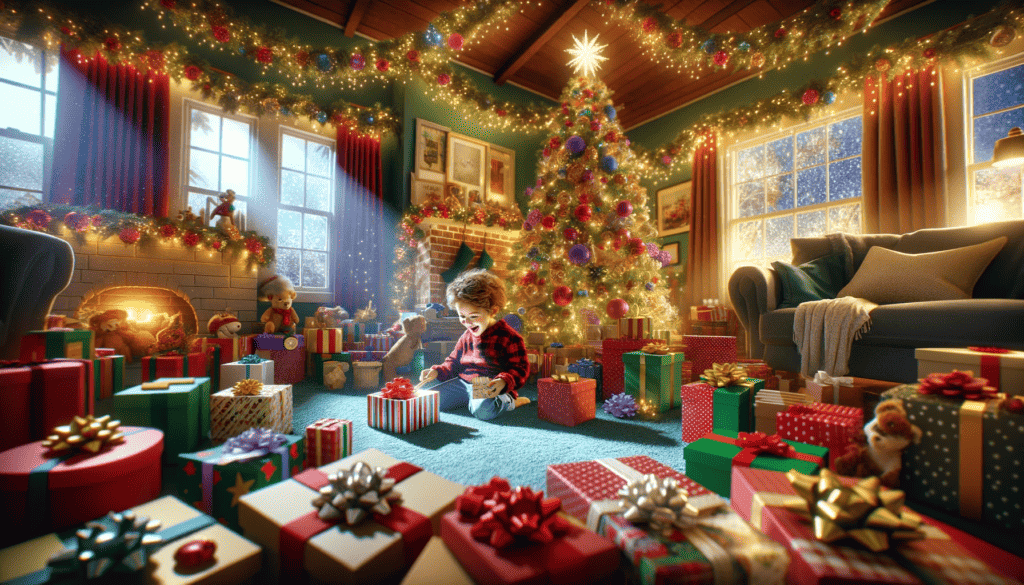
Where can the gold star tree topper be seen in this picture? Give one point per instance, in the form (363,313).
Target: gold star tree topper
(587,57)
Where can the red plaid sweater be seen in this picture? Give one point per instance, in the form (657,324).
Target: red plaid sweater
(499,353)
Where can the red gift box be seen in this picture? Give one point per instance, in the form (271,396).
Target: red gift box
(289,364)
(706,350)
(581,484)
(40,494)
(757,495)
(566,403)
(174,366)
(232,349)
(828,425)
(327,440)
(39,397)
(698,400)
(105,351)
(613,370)
(91,390)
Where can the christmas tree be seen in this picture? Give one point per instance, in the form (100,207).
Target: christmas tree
(587,255)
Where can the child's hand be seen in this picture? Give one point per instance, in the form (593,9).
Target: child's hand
(496,386)
(427,375)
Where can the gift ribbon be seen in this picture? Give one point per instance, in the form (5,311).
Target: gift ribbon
(185,370)
(972,421)
(990,365)
(824,379)
(671,380)
(414,527)
(746,456)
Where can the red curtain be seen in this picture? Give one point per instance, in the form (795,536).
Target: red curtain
(362,253)
(702,258)
(901,156)
(111,140)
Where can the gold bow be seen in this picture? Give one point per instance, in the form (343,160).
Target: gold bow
(570,377)
(656,348)
(661,503)
(722,375)
(85,433)
(864,511)
(247,387)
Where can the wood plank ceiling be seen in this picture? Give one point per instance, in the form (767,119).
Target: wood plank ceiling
(529,51)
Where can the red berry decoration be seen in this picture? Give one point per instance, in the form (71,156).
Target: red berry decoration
(253,245)
(562,295)
(555,142)
(38,218)
(649,24)
(500,112)
(548,222)
(617,308)
(721,58)
(611,137)
(112,45)
(810,97)
(195,553)
(217,244)
(413,55)
(222,34)
(780,33)
(168,230)
(265,55)
(624,208)
(193,72)
(383,64)
(583,212)
(455,41)
(443,79)
(129,235)
(77,221)
(674,39)
(190,239)
(836,13)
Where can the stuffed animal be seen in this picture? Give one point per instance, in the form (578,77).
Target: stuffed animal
(107,327)
(172,337)
(280,317)
(224,325)
(330,317)
(334,376)
(402,351)
(879,452)
(225,211)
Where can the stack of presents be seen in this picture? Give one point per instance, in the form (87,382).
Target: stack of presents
(780,486)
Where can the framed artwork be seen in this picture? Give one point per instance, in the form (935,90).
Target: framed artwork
(425,192)
(674,210)
(431,151)
(501,176)
(673,251)
(466,163)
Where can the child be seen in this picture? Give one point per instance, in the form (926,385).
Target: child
(489,348)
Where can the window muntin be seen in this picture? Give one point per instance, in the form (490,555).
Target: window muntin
(306,212)
(218,157)
(996,104)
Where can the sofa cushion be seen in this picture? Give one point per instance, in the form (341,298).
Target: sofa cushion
(887,276)
(818,279)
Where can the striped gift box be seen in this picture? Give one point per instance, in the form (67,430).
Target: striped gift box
(403,416)
(320,340)
(636,328)
(327,440)
(378,341)
(231,415)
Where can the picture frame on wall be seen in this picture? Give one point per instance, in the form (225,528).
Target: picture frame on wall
(674,209)
(501,176)
(424,192)
(467,159)
(431,151)
(673,251)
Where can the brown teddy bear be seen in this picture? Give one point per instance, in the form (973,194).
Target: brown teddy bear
(107,327)
(402,351)
(280,317)
(879,451)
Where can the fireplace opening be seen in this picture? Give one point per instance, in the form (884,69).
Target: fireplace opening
(157,319)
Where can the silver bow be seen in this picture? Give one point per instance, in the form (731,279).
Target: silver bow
(351,495)
(661,503)
(822,377)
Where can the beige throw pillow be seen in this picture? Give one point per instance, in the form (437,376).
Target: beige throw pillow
(887,277)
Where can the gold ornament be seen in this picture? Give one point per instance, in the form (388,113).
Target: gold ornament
(85,433)
(248,387)
(757,59)
(656,348)
(567,378)
(1002,36)
(864,511)
(722,375)
(564,198)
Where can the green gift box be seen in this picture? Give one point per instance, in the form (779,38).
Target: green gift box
(969,460)
(734,406)
(38,346)
(710,459)
(316,363)
(181,411)
(653,377)
(214,479)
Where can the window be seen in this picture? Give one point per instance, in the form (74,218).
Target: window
(306,211)
(802,182)
(219,156)
(28,106)
(996,98)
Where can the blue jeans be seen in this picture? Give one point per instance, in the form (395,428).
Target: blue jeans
(457,392)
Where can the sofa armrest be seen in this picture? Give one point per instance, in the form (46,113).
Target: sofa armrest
(753,291)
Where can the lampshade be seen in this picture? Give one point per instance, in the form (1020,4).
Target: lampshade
(1009,151)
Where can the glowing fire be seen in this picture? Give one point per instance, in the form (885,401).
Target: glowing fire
(142,312)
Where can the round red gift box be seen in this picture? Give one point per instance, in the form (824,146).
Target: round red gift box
(81,488)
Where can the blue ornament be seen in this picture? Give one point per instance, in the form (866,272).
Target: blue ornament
(582,293)
(432,37)
(323,62)
(609,164)
(576,144)
(370,119)
(828,97)
(241,50)
(514,322)
(620,405)
(744,46)
(709,46)
(321,117)
(610,112)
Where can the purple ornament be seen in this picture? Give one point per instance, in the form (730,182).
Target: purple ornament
(653,251)
(588,176)
(529,191)
(666,258)
(576,144)
(620,405)
(579,254)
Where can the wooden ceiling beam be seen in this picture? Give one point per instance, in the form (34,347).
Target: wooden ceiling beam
(355,16)
(539,39)
(725,13)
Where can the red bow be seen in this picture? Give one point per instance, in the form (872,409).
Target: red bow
(286,315)
(505,515)
(762,443)
(957,384)
(988,349)
(399,389)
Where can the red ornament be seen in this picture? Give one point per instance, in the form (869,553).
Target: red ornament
(624,208)
(721,58)
(217,244)
(1014,405)
(584,197)
(619,179)
(190,239)
(810,97)
(443,79)
(383,65)
(780,33)
(253,245)
(413,55)
(836,13)
(562,295)
(674,39)
(168,4)
(38,218)
(582,213)
(595,126)
(265,55)
(301,58)
(555,142)
(611,137)
(155,59)
(357,62)
(568,123)
(528,278)
(455,41)
(649,24)
(570,234)
(112,44)
(195,553)
(221,33)
(77,221)
(168,230)
(636,246)
(548,222)
(129,235)
(617,308)
(193,72)
(547,151)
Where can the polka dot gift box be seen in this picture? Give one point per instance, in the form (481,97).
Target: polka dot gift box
(707,350)
(970,460)
(566,403)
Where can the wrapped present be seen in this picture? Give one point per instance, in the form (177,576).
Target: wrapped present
(733,397)
(854,392)
(612,367)
(55,321)
(681,543)
(108,375)
(174,365)
(545,548)
(91,382)
(366,374)
(770,502)
(436,564)
(400,414)
(709,459)
(378,342)
(38,397)
(969,459)
(566,403)
(353,331)
(299,543)
(181,409)
(354,346)
(827,425)
(324,340)
(588,368)
(37,346)
(707,350)
(105,351)
(709,313)
(41,491)
(212,480)
(232,349)
(250,367)
(652,377)
(232,412)
(335,377)
(315,371)
(594,333)
(237,560)
(271,342)
(1003,368)
(707,408)
(768,403)
(636,328)
(589,487)
(289,364)
(327,440)
(610,331)
(566,353)
(685,369)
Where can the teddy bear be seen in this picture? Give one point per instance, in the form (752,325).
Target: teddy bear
(879,450)
(108,327)
(280,317)
(402,351)
(330,317)
(224,325)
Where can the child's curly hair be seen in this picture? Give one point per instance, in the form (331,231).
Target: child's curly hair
(477,287)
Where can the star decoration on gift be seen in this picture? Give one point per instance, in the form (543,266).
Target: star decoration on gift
(190,469)
(240,488)
(587,57)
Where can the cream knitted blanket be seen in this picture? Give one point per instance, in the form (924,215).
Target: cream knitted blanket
(825,330)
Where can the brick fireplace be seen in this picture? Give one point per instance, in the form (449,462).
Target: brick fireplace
(437,250)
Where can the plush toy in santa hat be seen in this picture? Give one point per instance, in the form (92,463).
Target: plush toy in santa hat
(224,325)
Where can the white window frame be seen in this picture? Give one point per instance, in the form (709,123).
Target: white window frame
(327,292)
(730,169)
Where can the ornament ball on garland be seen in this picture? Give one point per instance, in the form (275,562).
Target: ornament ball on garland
(810,97)
(443,79)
